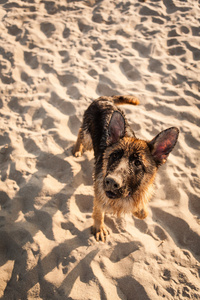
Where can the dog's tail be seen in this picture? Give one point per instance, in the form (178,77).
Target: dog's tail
(118,100)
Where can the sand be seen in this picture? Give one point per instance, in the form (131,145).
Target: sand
(55,58)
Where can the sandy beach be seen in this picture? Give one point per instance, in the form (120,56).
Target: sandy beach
(55,58)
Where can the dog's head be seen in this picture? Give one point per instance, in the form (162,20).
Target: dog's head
(130,164)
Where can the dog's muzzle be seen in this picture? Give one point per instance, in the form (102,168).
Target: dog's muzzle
(113,187)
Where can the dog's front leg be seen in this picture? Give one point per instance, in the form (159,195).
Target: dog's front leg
(99,229)
(141,211)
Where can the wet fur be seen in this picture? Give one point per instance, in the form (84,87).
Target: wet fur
(125,167)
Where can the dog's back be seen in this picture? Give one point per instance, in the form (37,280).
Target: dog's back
(98,116)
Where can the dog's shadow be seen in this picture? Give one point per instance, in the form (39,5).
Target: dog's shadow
(40,199)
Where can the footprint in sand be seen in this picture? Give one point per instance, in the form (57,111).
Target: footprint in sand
(48,123)
(141,225)
(130,71)
(146,11)
(184,29)
(74,124)
(191,141)
(84,203)
(6,65)
(151,87)
(195,31)
(173,32)
(182,102)
(51,7)
(14,30)
(143,50)
(113,44)
(67,80)
(120,252)
(158,20)
(171,67)
(177,51)
(26,78)
(47,28)
(166,275)
(31,59)
(130,286)
(172,42)
(179,229)
(66,33)
(83,25)
(74,92)
(65,107)
(65,56)
(106,86)
(155,65)
(194,203)
(195,51)
(172,8)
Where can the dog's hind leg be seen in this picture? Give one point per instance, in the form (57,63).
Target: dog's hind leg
(83,143)
(78,147)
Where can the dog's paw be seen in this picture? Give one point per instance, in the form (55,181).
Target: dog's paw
(141,214)
(100,233)
(77,153)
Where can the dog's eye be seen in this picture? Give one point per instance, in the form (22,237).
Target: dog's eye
(138,163)
(115,156)
(135,159)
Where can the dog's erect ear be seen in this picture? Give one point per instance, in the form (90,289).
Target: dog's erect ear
(116,128)
(163,144)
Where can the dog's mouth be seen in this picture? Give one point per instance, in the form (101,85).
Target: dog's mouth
(111,195)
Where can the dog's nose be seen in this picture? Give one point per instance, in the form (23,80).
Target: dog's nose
(111,184)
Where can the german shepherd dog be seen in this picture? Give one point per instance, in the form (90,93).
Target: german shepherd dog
(125,166)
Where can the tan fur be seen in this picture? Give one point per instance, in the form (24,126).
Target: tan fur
(125,99)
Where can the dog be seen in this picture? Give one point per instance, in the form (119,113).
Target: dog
(125,166)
